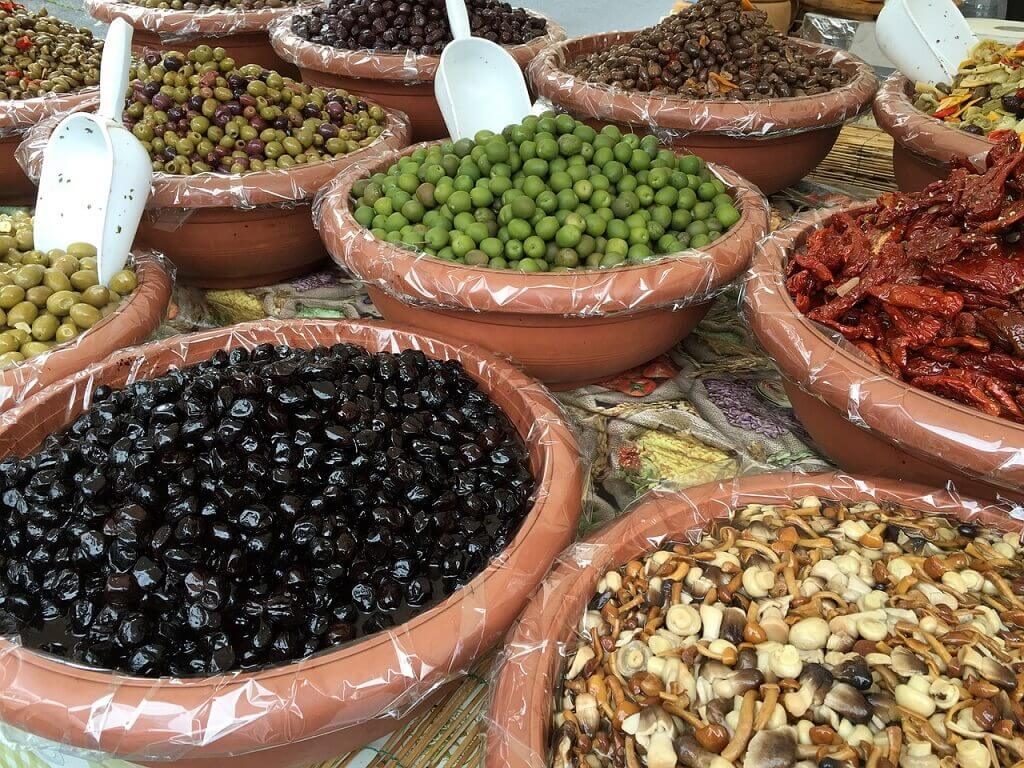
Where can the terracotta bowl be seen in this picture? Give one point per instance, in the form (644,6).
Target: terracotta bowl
(136,318)
(309,711)
(534,656)
(16,117)
(922,145)
(564,329)
(864,419)
(395,80)
(772,143)
(242,33)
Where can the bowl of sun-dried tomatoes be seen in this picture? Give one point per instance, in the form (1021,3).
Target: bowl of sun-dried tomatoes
(899,328)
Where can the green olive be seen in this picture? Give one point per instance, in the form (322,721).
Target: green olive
(38,295)
(29,275)
(20,334)
(60,303)
(96,295)
(82,250)
(11,295)
(7,243)
(88,262)
(36,258)
(8,343)
(26,312)
(66,264)
(6,278)
(25,239)
(10,359)
(84,278)
(35,348)
(56,280)
(124,282)
(85,315)
(44,327)
(66,332)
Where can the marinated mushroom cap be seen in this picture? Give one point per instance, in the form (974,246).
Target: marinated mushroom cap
(847,701)
(733,623)
(855,671)
(771,749)
(906,663)
(738,682)
(815,682)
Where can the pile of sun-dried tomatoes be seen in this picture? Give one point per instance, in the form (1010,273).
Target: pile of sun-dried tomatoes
(929,284)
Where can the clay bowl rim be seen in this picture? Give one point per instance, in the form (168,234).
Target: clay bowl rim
(556,465)
(775,320)
(523,692)
(755,119)
(587,292)
(919,132)
(24,113)
(193,24)
(388,66)
(275,187)
(155,280)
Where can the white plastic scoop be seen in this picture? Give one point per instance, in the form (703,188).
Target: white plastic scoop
(96,175)
(926,39)
(479,85)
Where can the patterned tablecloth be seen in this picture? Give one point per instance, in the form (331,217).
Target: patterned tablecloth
(711,409)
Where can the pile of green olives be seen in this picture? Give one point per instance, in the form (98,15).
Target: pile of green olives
(548,194)
(200,112)
(40,54)
(49,298)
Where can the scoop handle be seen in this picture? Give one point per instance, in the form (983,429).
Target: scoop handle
(458,19)
(117,60)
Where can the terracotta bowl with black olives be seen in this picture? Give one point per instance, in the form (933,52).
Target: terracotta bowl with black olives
(238,26)
(768,106)
(923,146)
(55,318)
(381,67)
(282,539)
(779,620)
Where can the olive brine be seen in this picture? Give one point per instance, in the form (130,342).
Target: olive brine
(549,194)
(256,508)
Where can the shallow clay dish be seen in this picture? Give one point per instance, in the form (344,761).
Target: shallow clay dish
(565,329)
(922,145)
(242,33)
(522,697)
(16,117)
(310,711)
(864,419)
(138,315)
(394,80)
(772,143)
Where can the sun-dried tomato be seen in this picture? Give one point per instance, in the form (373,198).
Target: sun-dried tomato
(23,43)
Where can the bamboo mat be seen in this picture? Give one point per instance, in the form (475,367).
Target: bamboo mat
(452,734)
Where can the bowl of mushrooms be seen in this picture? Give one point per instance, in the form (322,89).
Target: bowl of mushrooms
(773,621)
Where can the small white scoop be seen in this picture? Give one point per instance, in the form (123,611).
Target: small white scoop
(479,85)
(926,39)
(96,175)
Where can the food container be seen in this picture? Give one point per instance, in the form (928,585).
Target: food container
(780,12)
(923,146)
(530,668)
(313,710)
(139,314)
(402,81)
(772,143)
(862,418)
(16,118)
(564,329)
(242,33)
(237,231)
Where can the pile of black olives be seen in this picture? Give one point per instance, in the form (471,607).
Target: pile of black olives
(255,509)
(412,25)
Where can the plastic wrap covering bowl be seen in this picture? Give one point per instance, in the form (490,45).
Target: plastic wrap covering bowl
(772,143)
(236,230)
(139,314)
(402,81)
(864,419)
(531,665)
(242,33)
(312,710)
(923,146)
(17,117)
(565,329)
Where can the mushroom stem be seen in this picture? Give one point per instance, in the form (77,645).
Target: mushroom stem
(744,728)
(771,699)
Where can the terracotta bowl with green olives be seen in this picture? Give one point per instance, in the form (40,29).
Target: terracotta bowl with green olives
(56,318)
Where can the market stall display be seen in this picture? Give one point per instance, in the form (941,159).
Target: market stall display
(770,620)
(237,26)
(388,57)
(921,288)
(632,269)
(238,446)
(48,67)
(55,317)
(238,154)
(717,80)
